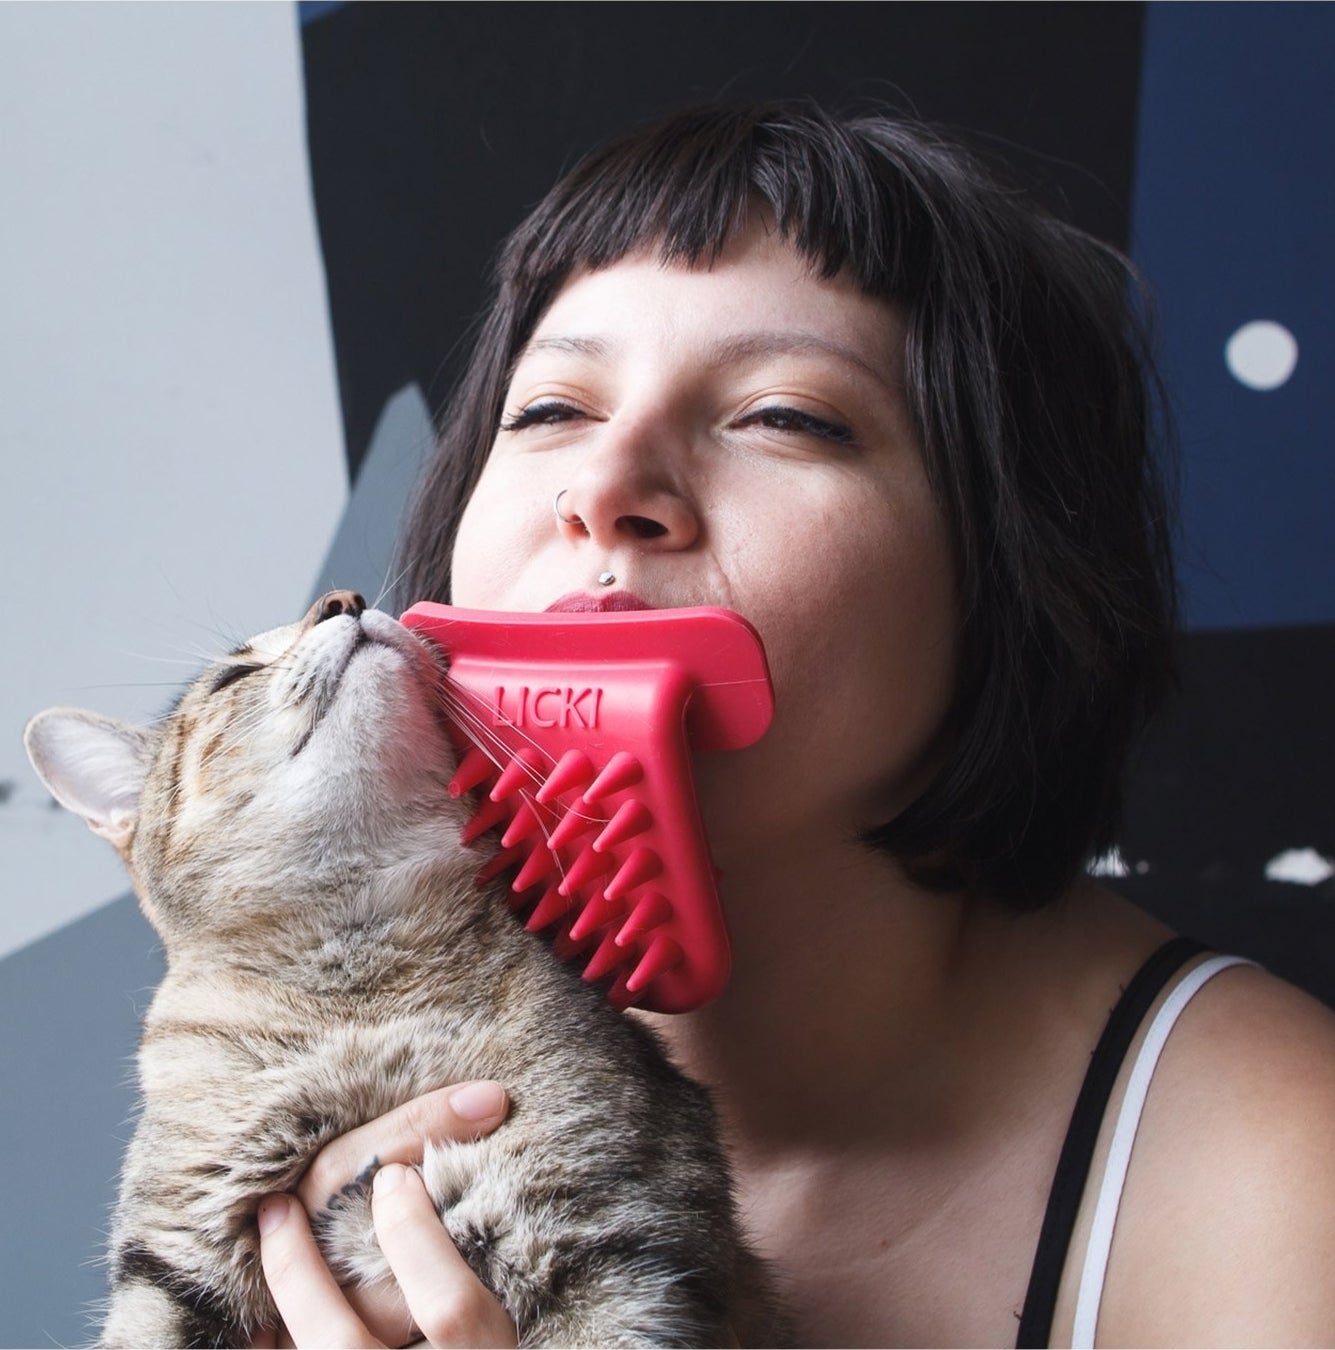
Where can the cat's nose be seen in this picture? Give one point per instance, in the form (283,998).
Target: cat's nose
(333,603)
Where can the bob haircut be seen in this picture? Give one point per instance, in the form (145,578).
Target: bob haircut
(1032,397)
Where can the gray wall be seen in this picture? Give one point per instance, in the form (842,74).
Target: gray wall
(71,1003)
(173,473)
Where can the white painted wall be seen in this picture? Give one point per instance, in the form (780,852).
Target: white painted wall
(171,457)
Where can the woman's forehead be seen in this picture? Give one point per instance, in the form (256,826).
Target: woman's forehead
(760,298)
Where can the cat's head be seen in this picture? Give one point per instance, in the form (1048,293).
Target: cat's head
(311,757)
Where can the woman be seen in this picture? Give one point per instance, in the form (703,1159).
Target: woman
(829,374)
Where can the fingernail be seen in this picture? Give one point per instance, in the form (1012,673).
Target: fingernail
(272,1212)
(388,1178)
(478,1101)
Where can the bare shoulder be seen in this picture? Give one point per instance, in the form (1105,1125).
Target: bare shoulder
(1227,1228)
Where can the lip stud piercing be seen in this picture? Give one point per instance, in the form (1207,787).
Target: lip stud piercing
(605,578)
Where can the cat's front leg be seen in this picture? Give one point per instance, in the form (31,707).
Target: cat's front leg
(183,1260)
(143,1314)
(151,1310)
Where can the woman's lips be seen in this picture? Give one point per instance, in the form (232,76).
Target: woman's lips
(583,602)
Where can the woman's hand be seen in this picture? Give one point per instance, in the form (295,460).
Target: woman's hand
(437,1295)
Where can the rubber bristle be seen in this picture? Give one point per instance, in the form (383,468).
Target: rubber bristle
(474,770)
(566,947)
(523,771)
(598,913)
(499,863)
(574,770)
(523,823)
(488,815)
(587,867)
(551,907)
(661,956)
(642,865)
(604,961)
(649,912)
(570,827)
(632,818)
(618,995)
(623,770)
(538,866)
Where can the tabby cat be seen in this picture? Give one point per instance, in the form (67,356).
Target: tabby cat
(291,838)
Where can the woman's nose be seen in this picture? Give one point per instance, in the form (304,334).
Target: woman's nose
(616,497)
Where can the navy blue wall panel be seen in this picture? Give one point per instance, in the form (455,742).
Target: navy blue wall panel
(1234,213)
(1234,218)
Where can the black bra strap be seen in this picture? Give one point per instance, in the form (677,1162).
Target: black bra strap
(1068,1184)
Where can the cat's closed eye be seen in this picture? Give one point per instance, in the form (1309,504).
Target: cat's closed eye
(232,674)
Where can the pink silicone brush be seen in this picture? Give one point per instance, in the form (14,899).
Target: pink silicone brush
(576,732)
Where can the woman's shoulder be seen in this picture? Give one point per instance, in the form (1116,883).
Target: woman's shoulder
(1226,1233)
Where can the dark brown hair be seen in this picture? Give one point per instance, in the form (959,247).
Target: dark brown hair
(1030,389)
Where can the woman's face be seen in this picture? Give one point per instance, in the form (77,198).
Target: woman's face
(737,435)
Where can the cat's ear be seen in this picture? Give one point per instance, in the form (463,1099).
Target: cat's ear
(94,766)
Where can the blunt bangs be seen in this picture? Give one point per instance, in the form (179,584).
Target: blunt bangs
(689,184)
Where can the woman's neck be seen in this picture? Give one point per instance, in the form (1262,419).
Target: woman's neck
(864,1007)
(844,976)
(893,1070)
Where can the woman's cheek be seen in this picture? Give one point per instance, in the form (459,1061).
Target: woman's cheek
(494,542)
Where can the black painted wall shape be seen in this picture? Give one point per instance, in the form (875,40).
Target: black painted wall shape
(433,127)
(1238,773)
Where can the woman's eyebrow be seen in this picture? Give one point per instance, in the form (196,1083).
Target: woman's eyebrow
(749,346)
(728,350)
(569,346)
(574,345)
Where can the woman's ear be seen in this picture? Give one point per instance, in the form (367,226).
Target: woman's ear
(94,766)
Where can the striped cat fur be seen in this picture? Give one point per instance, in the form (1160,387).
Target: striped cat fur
(289,834)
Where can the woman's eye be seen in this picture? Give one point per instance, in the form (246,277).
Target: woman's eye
(543,413)
(776,418)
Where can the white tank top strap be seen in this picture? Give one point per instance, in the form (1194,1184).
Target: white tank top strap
(1124,1137)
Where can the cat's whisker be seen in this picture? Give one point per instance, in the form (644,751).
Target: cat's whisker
(241,728)
(193,661)
(222,638)
(475,712)
(129,684)
(466,713)
(387,586)
(471,713)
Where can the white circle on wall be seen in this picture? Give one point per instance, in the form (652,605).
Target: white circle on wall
(1261,354)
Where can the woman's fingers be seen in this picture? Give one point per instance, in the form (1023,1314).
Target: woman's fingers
(449,1304)
(314,1309)
(309,1300)
(463,1111)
